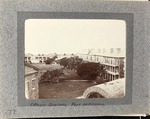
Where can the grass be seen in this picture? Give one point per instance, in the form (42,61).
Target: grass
(48,67)
(66,89)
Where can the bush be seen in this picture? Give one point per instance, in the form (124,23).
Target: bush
(71,63)
(64,62)
(91,70)
(50,60)
(52,76)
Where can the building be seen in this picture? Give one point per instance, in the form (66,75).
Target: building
(113,60)
(39,58)
(28,57)
(31,81)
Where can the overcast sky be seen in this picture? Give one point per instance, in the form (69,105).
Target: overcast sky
(71,36)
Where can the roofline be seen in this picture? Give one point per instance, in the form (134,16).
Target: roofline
(29,65)
(27,74)
(103,55)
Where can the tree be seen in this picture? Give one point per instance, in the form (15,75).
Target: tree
(70,63)
(64,62)
(91,70)
(50,60)
(52,75)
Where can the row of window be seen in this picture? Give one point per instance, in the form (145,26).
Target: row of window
(29,58)
(41,58)
(114,61)
(112,69)
(111,77)
(112,50)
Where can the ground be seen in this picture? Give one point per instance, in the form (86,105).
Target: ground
(72,87)
(47,67)
(66,89)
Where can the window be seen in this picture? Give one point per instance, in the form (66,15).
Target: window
(111,50)
(116,62)
(95,58)
(99,50)
(118,50)
(111,61)
(27,86)
(33,83)
(44,58)
(104,50)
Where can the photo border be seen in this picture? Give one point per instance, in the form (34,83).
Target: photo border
(22,16)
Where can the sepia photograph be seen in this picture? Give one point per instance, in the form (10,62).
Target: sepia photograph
(75,58)
(78,58)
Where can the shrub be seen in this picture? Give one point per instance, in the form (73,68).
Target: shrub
(50,60)
(71,63)
(91,70)
(64,62)
(52,76)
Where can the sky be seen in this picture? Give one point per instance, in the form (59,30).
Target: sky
(73,35)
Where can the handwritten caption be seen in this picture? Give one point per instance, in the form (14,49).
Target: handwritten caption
(72,104)
(13,112)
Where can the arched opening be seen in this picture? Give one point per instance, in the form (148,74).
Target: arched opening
(95,95)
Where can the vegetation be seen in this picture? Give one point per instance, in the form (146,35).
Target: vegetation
(52,76)
(86,70)
(91,71)
(65,90)
(63,62)
(71,63)
(50,60)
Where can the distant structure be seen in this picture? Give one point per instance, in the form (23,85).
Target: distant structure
(113,60)
(31,81)
(41,58)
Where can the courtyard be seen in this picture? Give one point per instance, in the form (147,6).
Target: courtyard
(71,85)
(66,89)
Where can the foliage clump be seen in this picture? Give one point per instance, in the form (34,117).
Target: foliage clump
(52,76)
(91,71)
